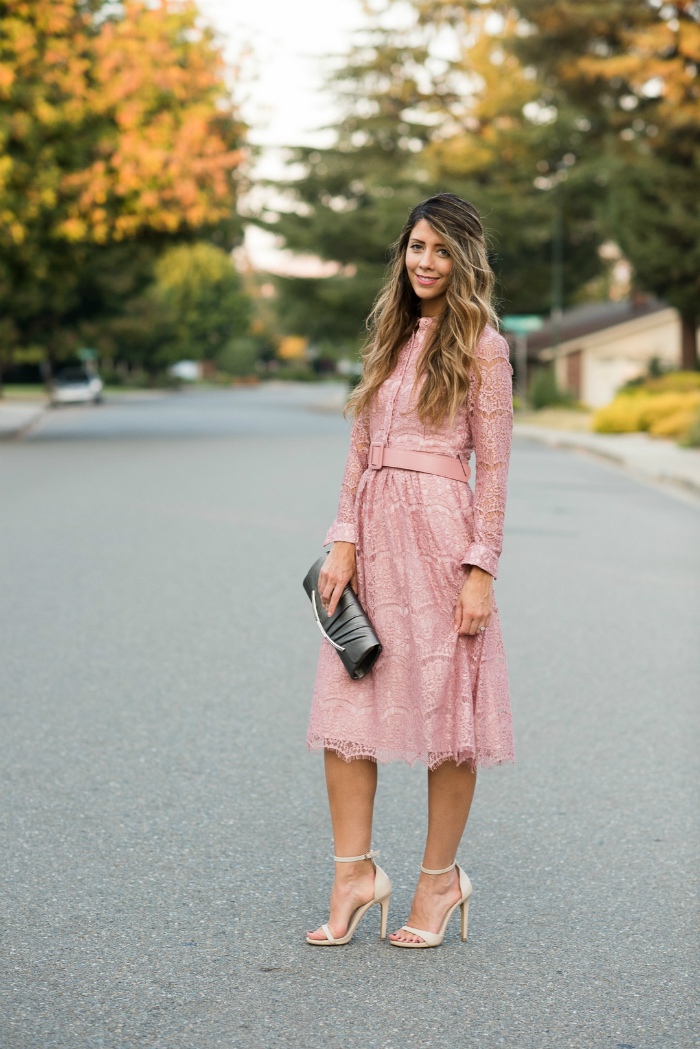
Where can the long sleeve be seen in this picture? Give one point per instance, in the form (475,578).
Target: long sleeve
(491,418)
(343,529)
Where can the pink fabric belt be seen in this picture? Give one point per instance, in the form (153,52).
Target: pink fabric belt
(423,462)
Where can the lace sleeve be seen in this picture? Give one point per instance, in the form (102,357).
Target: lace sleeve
(343,528)
(491,418)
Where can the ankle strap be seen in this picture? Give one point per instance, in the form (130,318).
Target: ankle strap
(445,870)
(351,859)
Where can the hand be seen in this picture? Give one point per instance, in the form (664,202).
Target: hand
(475,602)
(339,570)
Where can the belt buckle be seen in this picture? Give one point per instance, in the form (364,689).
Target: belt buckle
(376,455)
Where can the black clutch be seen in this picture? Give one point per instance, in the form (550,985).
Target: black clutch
(348,630)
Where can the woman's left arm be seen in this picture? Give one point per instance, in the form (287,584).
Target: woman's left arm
(491,419)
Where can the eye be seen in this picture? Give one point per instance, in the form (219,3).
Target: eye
(416,246)
(443,251)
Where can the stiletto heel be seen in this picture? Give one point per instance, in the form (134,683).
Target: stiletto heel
(434,939)
(385,916)
(465,918)
(382,895)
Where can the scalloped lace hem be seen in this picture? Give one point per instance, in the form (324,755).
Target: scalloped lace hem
(384,756)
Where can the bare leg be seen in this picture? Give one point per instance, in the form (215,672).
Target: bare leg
(450,793)
(351,789)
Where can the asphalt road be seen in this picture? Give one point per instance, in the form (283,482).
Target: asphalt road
(165,835)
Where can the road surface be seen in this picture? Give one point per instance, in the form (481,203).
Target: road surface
(166,839)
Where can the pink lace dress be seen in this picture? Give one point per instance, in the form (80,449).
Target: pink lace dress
(432,695)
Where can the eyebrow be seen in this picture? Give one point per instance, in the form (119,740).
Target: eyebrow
(417,240)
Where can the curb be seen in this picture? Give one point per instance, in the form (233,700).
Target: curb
(650,459)
(16,420)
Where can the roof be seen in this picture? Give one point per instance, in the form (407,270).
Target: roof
(591,317)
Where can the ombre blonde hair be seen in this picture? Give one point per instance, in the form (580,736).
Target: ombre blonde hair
(448,359)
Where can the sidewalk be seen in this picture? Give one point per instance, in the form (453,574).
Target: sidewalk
(652,459)
(16,416)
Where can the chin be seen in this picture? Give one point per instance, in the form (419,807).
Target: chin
(428,293)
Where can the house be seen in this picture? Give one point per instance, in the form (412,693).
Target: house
(602,345)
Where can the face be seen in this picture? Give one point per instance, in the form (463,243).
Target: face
(429,265)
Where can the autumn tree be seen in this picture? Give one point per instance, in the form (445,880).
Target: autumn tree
(119,138)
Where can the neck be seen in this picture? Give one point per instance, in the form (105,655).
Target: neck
(432,307)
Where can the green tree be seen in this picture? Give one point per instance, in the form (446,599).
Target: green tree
(409,130)
(201,292)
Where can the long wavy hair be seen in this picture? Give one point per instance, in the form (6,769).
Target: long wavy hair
(448,360)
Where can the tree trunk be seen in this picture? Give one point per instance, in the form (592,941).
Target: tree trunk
(689,343)
(47,373)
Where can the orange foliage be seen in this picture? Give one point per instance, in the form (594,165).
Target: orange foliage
(665,52)
(129,121)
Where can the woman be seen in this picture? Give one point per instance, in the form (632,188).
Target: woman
(421,552)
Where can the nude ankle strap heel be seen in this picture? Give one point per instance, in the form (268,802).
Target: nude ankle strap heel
(445,870)
(434,939)
(353,859)
(382,896)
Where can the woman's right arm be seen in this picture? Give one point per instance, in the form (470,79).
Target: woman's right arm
(340,568)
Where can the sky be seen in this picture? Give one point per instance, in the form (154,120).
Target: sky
(289,42)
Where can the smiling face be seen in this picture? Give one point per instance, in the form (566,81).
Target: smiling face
(429,266)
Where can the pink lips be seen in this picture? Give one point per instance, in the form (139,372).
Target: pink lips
(427,281)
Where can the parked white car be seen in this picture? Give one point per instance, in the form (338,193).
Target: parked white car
(187,371)
(76,386)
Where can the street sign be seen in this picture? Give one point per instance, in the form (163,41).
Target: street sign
(522,324)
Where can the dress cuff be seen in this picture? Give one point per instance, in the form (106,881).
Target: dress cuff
(340,532)
(482,557)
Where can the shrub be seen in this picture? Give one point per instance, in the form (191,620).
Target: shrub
(239,357)
(692,437)
(661,414)
(622,415)
(666,406)
(673,382)
(544,392)
(677,425)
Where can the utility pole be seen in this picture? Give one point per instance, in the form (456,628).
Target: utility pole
(557,269)
(521,365)
(521,325)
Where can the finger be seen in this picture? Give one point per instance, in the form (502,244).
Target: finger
(458,617)
(353,581)
(328,588)
(335,598)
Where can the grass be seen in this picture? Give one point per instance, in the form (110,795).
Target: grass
(24,392)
